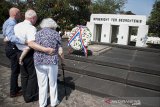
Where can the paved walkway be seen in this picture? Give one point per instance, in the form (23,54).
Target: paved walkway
(75,97)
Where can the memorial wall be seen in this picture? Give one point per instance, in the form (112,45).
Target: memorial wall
(116,28)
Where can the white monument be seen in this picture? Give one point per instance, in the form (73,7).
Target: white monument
(115,28)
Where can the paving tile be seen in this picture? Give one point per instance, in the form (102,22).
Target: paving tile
(145,68)
(75,64)
(132,91)
(106,72)
(144,80)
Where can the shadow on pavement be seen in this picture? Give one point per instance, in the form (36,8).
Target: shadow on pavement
(61,89)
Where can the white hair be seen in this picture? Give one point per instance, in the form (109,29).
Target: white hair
(30,13)
(48,22)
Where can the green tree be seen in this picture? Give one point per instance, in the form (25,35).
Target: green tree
(81,11)
(154,20)
(107,6)
(67,13)
(4,9)
(129,13)
(59,10)
(126,12)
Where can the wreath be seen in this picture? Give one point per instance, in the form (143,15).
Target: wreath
(79,38)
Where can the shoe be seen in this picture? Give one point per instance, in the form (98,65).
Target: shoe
(16,95)
(58,102)
(19,88)
(36,98)
(32,99)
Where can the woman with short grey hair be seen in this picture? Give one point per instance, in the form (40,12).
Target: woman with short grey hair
(47,65)
(49,23)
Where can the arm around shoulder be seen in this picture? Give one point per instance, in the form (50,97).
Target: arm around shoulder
(38,47)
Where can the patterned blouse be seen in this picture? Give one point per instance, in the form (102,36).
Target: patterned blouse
(48,38)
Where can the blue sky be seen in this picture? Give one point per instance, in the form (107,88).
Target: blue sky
(139,7)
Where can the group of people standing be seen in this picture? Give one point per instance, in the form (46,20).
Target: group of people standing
(33,54)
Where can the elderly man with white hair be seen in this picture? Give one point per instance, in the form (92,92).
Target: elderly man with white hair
(26,31)
(47,65)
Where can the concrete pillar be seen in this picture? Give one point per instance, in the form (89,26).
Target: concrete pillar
(106,33)
(142,36)
(123,34)
(91,27)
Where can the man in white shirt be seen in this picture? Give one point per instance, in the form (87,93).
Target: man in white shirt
(26,31)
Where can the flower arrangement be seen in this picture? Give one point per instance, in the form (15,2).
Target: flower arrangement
(79,38)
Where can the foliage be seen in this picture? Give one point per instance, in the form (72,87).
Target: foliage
(154,20)
(4,8)
(127,12)
(81,12)
(107,6)
(69,13)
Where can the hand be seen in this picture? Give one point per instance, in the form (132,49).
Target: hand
(5,40)
(20,61)
(49,51)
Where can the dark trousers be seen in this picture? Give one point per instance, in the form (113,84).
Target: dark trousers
(29,78)
(12,52)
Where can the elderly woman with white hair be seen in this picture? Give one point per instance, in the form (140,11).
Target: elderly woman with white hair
(47,65)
